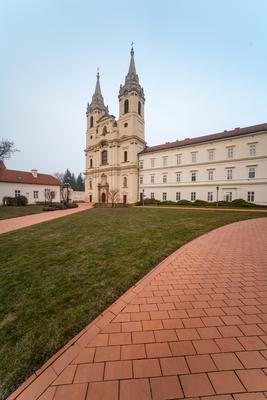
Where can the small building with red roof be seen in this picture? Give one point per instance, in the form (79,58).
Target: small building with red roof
(32,184)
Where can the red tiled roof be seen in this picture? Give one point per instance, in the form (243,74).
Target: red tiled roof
(12,176)
(207,138)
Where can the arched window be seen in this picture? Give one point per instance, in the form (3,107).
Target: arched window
(90,184)
(126,106)
(104,132)
(139,107)
(125,156)
(104,157)
(125,182)
(91,122)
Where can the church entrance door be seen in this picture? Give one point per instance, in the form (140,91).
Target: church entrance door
(103,198)
(124,199)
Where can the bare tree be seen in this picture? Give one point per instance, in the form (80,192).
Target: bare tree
(49,195)
(6,149)
(114,196)
(60,177)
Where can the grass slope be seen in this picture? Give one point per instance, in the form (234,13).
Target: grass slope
(58,276)
(12,212)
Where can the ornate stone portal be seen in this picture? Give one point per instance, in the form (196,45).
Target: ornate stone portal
(103,190)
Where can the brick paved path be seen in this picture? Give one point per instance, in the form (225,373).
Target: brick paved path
(194,328)
(12,224)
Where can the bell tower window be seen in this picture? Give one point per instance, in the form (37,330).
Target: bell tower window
(104,157)
(126,106)
(125,156)
(91,122)
(139,107)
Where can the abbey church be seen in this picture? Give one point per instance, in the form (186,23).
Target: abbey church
(120,167)
(112,146)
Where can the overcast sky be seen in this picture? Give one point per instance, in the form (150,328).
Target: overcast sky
(203,66)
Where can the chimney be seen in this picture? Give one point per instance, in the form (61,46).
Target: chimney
(34,173)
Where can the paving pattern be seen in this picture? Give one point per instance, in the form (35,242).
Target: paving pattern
(12,224)
(194,328)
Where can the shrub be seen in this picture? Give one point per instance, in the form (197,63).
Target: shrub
(201,203)
(49,208)
(168,203)
(72,205)
(15,201)
(241,203)
(184,203)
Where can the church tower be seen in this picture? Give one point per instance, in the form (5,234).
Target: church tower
(131,103)
(112,146)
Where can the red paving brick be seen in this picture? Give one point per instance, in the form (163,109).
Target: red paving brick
(12,224)
(194,328)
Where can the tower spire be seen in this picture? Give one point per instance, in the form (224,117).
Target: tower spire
(131,79)
(97,98)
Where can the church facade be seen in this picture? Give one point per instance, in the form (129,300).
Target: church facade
(112,146)
(120,167)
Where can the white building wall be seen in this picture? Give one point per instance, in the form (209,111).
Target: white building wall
(239,185)
(8,189)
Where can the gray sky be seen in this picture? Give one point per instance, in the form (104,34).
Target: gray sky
(203,66)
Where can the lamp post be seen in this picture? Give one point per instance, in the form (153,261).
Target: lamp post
(217,197)
(143,197)
(67,186)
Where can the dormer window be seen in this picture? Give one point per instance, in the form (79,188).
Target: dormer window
(126,106)
(91,122)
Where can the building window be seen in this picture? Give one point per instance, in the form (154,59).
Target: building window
(178,158)
(91,163)
(211,155)
(152,163)
(165,161)
(125,182)
(53,194)
(152,179)
(139,107)
(230,152)
(141,180)
(164,178)
(210,196)
(125,156)
(228,196)
(194,157)
(210,175)
(193,196)
(178,196)
(141,165)
(164,196)
(178,176)
(126,106)
(229,174)
(251,196)
(193,176)
(35,194)
(104,157)
(251,172)
(152,195)
(90,185)
(91,122)
(252,149)
(17,193)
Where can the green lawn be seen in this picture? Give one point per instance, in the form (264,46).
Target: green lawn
(12,212)
(58,276)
